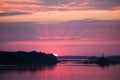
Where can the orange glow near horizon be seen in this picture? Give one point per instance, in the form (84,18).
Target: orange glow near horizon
(57,16)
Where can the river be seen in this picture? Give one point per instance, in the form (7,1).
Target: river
(62,71)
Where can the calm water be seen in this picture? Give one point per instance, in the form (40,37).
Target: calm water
(61,71)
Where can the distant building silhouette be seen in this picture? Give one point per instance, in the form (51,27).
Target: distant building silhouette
(102,54)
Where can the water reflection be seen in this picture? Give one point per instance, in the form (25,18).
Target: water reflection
(26,68)
(83,63)
(68,70)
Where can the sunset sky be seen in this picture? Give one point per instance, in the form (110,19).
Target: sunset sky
(65,27)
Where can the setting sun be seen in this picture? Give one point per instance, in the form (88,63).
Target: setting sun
(55,54)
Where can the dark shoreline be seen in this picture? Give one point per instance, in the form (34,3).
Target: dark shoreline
(22,58)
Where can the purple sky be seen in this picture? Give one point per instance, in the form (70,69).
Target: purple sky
(65,27)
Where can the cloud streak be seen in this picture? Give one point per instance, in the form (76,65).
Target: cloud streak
(14,13)
(46,11)
(63,5)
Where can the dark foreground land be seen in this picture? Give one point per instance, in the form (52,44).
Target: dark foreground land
(21,58)
(89,60)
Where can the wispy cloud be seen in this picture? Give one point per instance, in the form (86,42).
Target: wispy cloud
(86,4)
(53,11)
(46,5)
(14,13)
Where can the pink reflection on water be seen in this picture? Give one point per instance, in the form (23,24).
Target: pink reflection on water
(66,71)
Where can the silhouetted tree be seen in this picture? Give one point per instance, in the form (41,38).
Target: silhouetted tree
(26,58)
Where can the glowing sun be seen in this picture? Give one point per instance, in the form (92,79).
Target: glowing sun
(55,54)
